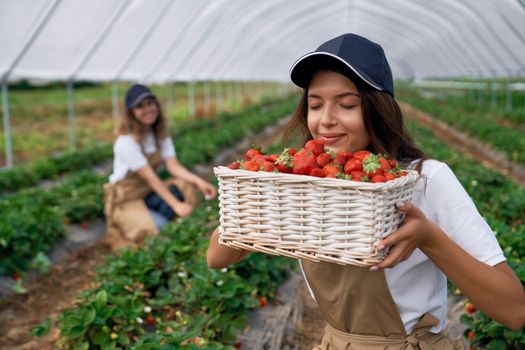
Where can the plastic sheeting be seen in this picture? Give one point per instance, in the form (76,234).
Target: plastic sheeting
(159,41)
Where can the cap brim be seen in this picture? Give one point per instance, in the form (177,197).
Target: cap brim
(303,69)
(140,98)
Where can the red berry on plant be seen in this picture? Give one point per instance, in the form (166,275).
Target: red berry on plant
(470,308)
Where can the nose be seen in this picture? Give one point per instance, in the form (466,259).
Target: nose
(328,117)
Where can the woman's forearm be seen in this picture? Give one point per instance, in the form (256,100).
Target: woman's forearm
(158,186)
(179,171)
(219,256)
(495,290)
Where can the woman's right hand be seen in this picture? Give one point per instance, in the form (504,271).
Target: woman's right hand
(182,209)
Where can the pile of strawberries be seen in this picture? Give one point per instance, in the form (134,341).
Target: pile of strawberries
(315,160)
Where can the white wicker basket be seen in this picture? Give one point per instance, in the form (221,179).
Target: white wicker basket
(305,217)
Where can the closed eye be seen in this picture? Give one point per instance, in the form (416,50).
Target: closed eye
(315,107)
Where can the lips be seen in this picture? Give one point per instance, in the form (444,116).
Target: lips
(329,138)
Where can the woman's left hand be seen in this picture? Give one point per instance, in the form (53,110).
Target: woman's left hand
(412,234)
(207,189)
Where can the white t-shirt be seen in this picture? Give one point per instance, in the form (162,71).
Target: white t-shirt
(416,284)
(128,155)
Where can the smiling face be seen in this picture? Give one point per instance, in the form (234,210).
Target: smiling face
(146,112)
(335,114)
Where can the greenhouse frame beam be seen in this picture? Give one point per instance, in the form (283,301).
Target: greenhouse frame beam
(44,19)
(102,35)
(170,48)
(147,35)
(240,17)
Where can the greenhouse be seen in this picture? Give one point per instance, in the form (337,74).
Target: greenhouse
(216,174)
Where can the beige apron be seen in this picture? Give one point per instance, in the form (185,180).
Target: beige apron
(124,205)
(361,313)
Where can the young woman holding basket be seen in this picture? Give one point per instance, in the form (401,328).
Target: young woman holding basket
(400,303)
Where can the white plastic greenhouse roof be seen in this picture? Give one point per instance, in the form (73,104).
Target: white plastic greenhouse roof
(180,40)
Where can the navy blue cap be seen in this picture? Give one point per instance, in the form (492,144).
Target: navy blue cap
(353,53)
(136,94)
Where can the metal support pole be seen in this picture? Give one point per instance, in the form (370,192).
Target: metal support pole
(229,90)
(191,98)
(509,94)
(480,94)
(239,94)
(207,104)
(281,89)
(218,97)
(114,100)
(71,116)
(493,101)
(7,127)
(169,100)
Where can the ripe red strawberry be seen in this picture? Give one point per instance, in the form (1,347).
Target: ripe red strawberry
(385,165)
(324,159)
(150,320)
(371,165)
(234,165)
(389,176)
(314,146)
(378,178)
(393,163)
(342,157)
(304,162)
(251,153)
(331,170)
(318,172)
(470,308)
(262,301)
(267,166)
(260,158)
(359,176)
(251,166)
(16,276)
(362,155)
(353,164)
(273,157)
(471,335)
(285,161)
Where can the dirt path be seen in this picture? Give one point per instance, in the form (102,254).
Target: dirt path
(48,295)
(471,147)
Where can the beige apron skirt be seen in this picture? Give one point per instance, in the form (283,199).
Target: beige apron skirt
(124,205)
(361,313)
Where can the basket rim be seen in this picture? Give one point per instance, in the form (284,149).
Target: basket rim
(225,172)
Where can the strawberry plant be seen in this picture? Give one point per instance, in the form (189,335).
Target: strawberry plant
(503,205)
(164,293)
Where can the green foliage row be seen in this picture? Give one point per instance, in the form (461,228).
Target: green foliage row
(502,203)
(31,220)
(163,296)
(54,166)
(484,124)
(47,168)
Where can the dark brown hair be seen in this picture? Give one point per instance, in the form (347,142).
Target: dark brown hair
(130,125)
(383,121)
